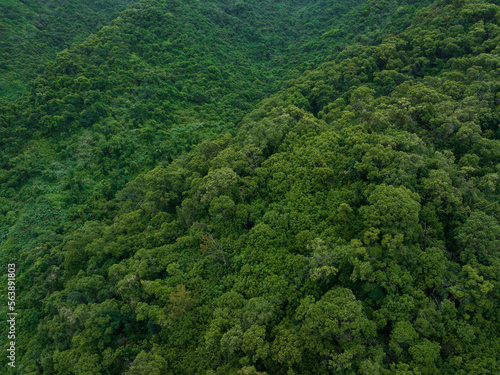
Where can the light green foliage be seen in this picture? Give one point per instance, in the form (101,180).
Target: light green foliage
(334,328)
(393,210)
(148,363)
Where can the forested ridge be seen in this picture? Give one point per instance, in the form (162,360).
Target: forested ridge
(32,32)
(259,187)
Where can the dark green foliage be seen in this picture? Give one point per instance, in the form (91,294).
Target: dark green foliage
(32,32)
(348,223)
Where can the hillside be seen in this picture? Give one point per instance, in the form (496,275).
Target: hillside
(160,78)
(33,32)
(329,207)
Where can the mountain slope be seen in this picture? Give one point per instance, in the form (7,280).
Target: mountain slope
(349,224)
(162,77)
(33,32)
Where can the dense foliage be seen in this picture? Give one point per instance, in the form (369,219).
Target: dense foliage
(160,78)
(349,223)
(32,32)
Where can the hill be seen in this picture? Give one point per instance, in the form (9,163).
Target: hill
(33,32)
(160,78)
(346,224)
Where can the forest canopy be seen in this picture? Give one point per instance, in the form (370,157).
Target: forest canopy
(258,187)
